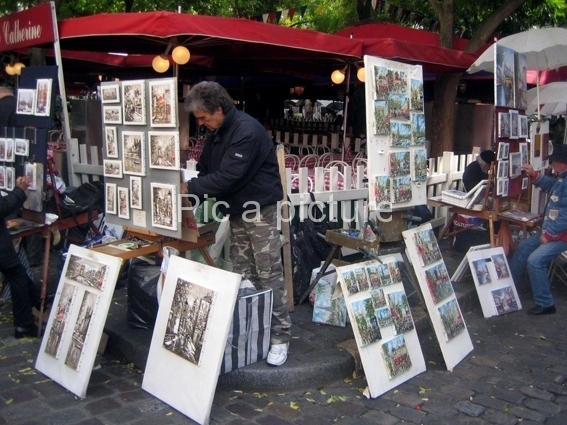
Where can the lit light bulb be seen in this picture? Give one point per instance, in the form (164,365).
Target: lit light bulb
(18,67)
(181,55)
(160,64)
(10,70)
(337,76)
(361,75)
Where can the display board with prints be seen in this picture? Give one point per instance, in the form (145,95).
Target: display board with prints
(382,322)
(74,329)
(493,281)
(395,123)
(142,154)
(438,294)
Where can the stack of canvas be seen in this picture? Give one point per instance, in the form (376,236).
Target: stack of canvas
(464,199)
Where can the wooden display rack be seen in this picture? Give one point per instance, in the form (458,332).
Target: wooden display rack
(146,242)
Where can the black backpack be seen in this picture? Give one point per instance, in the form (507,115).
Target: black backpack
(85,198)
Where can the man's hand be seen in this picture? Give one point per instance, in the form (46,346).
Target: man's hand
(22,183)
(542,239)
(528,169)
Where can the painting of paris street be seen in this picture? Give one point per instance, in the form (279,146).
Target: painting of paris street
(427,248)
(164,206)
(396,356)
(366,321)
(81,331)
(134,102)
(60,319)
(164,149)
(400,312)
(88,272)
(188,319)
(134,154)
(438,282)
(453,323)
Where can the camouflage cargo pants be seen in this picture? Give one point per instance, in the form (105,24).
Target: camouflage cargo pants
(255,252)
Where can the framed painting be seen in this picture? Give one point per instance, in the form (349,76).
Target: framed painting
(2,149)
(525,182)
(502,151)
(514,124)
(123,203)
(503,168)
(164,205)
(43,97)
(503,124)
(10,178)
(112,115)
(110,93)
(136,192)
(163,147)
(196,305)
(75,325)
(110,198)
(524,151)
(25,101)
(134,153)
(504,62)
(111,142)
(515,164)
(10,150)
(22,147)
(134,102)
(163,103)
(2,177)
(30,171)
(112,168)
(523,122)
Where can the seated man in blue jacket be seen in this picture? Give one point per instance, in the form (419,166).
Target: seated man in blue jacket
(239,168)
(538,251)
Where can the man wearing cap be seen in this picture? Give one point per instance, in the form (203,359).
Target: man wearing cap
(538,251)
(477,170)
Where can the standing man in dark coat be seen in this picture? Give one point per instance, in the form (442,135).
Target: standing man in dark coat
(23,291)
(239,168)
(7,108)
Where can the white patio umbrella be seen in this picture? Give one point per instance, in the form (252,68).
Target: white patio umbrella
(544,48)
(552,96)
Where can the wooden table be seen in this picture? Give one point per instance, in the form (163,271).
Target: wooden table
(147,242)
(519,218)
(488,215)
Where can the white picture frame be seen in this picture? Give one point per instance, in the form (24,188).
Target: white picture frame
(164,205)
(75,325)
(163,149)
(43,97)
(25,102)
(112,168)
(379,286)
(111,141)
(123,203)
(10,177)
(30,171)
(163,103)
(525,183)
(515,164)
(525,153)
(110,93)
(21,147)
(134,102)
(492,277)
(10,155)
(514,124)
(215,291)
(136,192)
(112,114)
(440,299)
(134,153)
(2,177)
(110,198)
(523,130)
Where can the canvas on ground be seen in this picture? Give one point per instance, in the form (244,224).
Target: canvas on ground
(190,335)
(76,321)
(438,294)
(382,322)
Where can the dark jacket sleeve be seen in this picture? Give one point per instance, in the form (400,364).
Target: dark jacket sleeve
(10,203)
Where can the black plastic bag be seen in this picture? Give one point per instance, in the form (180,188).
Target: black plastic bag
(312,231)
(303,261)
(143,304)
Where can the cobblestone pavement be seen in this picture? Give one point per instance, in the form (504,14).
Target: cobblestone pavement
(515,374)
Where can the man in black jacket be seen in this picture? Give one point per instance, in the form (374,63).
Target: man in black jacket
(23,291)
(239,168)
(7,107)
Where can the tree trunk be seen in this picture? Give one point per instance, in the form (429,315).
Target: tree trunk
(443,114)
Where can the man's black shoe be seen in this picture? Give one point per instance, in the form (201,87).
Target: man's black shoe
(29,331)
(539,309)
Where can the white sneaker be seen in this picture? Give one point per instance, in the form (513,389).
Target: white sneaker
(278,354)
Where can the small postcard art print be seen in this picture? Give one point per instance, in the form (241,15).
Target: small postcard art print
(453,323)
(164,206)
(366,321)
(396,356)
